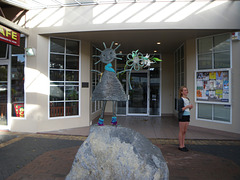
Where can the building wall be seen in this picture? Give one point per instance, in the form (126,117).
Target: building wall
(167,86)
(190,70)
(122,16)
(129,16)
(37,91)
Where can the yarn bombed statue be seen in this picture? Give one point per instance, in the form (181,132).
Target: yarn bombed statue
(109,88)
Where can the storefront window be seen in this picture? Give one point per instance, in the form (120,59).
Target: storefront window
(17,79)
(96,105)
(205,111)
(3,93)
(64,77)
(213,55)
(155,89)
(121,105)
(3,50)
(214,112)
(214,52)
(179,71)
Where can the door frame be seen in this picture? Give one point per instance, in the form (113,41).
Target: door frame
(148,94)
(7,62)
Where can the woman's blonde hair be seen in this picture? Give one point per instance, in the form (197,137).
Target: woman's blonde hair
(180,91)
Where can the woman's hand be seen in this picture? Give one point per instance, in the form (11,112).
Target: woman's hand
(190,106)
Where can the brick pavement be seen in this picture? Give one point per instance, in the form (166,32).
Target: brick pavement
(18,152)
(49,157)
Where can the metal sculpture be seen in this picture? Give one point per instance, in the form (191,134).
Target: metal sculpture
(109,88)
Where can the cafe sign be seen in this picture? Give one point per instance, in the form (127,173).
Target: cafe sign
(9,36)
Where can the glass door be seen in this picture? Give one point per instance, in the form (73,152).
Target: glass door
(3,93)
(138,95)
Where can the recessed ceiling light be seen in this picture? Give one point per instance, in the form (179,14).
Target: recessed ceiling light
(116,43)
(158,42)
(155,51)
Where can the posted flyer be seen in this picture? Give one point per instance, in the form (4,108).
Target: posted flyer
(212,86)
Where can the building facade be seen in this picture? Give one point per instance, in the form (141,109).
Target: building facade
(47,82)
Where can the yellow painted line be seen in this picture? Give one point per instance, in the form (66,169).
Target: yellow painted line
(12,141)
(47,136)
(196,142)
(153,140)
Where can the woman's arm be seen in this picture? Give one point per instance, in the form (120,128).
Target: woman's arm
(181,105)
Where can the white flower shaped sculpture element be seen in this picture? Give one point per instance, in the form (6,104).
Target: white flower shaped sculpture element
(135,60)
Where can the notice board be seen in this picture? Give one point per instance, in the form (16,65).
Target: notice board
(213,86)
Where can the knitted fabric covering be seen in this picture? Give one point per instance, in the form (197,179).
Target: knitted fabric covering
(109,89)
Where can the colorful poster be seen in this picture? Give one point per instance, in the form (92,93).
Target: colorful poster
(219,84)
(19,109)
(212,75)
(213,86)
(226,84)
(199,93)
(219,75)
(199,76)
(206,76)
(225,94)
(199,85)
(219,93)
(206,85)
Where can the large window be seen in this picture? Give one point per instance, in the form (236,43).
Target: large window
(64,74)
(96,105)
(214,53)
(17,79)
(179,72)
(3,50)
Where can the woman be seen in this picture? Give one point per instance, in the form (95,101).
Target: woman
(184,108)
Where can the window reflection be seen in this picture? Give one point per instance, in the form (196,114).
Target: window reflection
(17,79)
(64,77)
(3,94)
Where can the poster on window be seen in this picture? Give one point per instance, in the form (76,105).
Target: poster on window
(213,86)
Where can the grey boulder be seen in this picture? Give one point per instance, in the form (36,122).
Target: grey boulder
(117,153)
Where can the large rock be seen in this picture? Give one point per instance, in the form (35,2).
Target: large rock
(117,153)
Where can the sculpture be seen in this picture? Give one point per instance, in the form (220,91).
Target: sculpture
(109,88)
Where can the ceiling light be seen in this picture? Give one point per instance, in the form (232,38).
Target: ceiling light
(158,43)
(155,51)
(116,43)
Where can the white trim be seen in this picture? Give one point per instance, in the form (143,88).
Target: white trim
(212,120)
(230,86)
(6,53)
(212,70)
(160,90)
(64,81)
(212,52)
(179,73)
(8,62)
(148,92)
(80,80)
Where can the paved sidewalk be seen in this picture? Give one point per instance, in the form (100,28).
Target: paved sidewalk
(154,127)
(50,157)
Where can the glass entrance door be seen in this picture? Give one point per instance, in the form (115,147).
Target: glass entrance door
(3,93)
(138,95)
